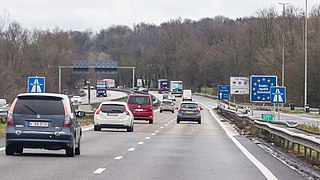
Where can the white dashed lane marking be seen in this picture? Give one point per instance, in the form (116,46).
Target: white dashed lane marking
(147,137)
(118,157)
(99,170)
(153,134)
(131,149)
(140,142)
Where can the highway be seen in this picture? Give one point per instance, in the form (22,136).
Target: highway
(163,150)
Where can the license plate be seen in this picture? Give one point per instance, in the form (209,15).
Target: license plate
(189,112)
(112,114)
(38,124)
(139,110)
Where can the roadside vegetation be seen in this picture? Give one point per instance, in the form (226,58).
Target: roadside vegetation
(2,130)
(293,111)
(311,129)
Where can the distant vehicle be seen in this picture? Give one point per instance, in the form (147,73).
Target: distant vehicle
(171,97)
(113,115)
(167,105)
(187,95)
(165,95)
(141,106)
(163,85)
(145,89)
(140,89)
(176,88)
(101,88)
(43,120)
(120,87)
(110,83)
(76,99)
(135,89)
(86,87)
(3,103)
(189,111)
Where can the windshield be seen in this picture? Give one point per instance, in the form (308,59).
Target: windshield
(189,105)
(141,100)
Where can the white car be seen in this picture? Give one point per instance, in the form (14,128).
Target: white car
(187,95)
(172,97)
(76,99)
(113,115)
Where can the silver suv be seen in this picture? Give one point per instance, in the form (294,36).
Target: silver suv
(43,120)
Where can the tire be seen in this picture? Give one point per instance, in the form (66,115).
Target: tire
(97,128)
(19,150)
(178,121)
(151,121)
(172,111)
(77,150)
(160,111)
(130,129)
(9,150)
(70,151)
(199,121)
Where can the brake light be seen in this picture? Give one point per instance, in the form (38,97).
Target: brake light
(10,119)
(67,121)
(180,110)
(125,110)
(99,110)
(198,110)
(10,115)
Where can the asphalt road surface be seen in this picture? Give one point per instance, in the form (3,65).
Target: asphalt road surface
(163,150)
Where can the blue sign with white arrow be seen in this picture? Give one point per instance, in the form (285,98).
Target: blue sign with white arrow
(36,84)
(260,87)
(223,92)
(278,95)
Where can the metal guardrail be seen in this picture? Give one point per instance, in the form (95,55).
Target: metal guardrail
(281,135)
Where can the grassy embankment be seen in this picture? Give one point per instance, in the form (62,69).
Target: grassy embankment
(2,130)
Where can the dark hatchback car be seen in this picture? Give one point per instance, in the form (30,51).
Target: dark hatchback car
(189,111)
(43,120)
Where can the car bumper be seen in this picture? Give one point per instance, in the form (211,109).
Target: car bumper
(45,140)
(113,123)
(183,117)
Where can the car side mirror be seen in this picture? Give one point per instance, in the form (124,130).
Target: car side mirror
(201,108)
(80,114)
(177,108)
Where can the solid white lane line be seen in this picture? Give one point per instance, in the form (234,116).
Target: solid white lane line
(131,149)
(265,171)
(118,157)
(153,134)
(2,149)
(147,137)
(140,142)
(99,170)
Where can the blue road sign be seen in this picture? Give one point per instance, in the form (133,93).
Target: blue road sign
(36,84)
(260,87)
(278,95)
(223,92)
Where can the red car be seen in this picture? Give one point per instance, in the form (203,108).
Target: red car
(141,106)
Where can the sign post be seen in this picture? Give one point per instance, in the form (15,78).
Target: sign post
(260,88)
(36,84)
(278,96)
(223,92)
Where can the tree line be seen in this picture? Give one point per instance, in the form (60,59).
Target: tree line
(200,53)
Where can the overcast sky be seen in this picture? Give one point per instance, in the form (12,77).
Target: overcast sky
(97,14)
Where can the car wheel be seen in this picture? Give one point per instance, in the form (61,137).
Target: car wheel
(77,150)
(172,111)
(19,150)
(70,151)
(97,128)
(199,121)
(178,121)
(160,111)
(9,150)
(151,121)
(130,129)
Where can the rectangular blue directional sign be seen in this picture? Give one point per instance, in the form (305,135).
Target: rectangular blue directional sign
(260,87)
(36,84)
(278,95)
(223,92)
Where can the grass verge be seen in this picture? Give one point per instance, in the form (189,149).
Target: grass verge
(311,129)
(87,120)
(2,130)
(293,111)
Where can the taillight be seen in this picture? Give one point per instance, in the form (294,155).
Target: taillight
(67,121)
(10,115)
(10,119)
(198,110)
(180,110)
(125,110)
(99,110)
